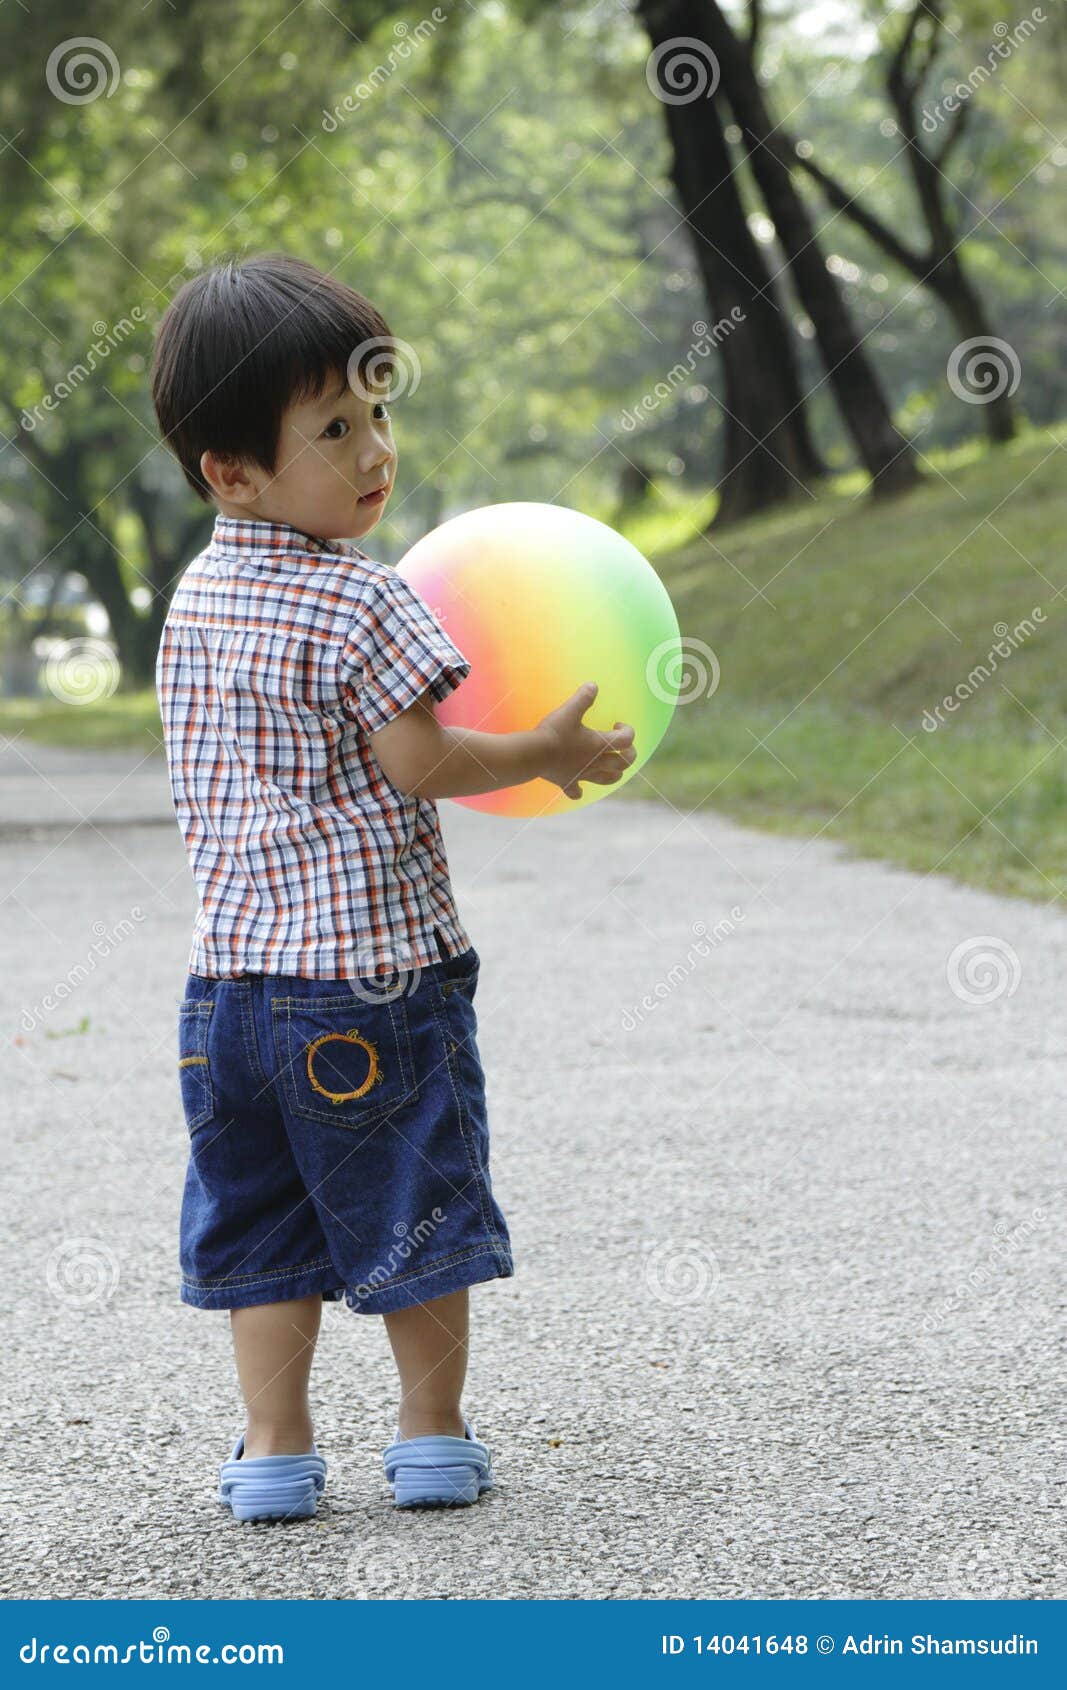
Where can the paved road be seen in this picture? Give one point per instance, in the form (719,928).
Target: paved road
(780,1138)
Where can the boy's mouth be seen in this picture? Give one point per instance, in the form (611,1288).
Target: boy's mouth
(374,498)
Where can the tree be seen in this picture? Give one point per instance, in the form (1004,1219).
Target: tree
(768,454)
(886,454)
(940,266)
(210,143)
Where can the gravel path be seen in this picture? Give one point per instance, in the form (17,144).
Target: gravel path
(779,1137)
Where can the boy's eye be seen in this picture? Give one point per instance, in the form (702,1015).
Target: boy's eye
(381,406)
(338,423)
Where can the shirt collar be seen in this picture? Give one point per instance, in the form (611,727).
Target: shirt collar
(264,540)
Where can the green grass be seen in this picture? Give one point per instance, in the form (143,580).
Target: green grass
(837,625)
(125,719)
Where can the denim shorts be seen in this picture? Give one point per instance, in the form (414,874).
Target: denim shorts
(338,1141)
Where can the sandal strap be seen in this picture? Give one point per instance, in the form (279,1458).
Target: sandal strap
(436,1453)
(272,1477)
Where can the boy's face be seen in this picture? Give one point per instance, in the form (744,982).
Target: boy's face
(333,451)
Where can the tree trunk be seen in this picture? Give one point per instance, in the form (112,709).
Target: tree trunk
(887,455)
(941,267)
(76,540)
(768,454)
(965,306)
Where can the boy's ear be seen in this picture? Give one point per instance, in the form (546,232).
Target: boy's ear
(229,478)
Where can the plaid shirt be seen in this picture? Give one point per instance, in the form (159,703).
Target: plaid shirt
(279,655)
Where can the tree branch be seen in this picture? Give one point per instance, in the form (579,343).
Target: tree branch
(755,26)
(915,262)
(903,88)
(953,131)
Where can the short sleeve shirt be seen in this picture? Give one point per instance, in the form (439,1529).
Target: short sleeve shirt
(279,656)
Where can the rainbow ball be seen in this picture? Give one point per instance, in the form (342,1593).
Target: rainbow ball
(540,598)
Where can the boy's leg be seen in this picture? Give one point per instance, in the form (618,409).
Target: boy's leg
(274,1344)
(430,1349)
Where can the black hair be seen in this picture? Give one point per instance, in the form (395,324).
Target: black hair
(247,338)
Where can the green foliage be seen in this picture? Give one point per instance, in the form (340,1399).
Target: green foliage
(499,184)
(491,214)
(1009,176)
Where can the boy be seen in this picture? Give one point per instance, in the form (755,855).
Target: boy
(330,1075)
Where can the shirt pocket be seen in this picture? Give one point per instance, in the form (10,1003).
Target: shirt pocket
(194,1065)
(345,1061)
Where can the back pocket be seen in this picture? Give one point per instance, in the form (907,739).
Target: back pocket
(194,1069)
(343,1060)
(461,975)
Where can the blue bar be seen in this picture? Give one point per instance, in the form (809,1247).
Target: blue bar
(498,1645)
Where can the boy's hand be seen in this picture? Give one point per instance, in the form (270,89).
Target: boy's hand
(573,751)
(426,760)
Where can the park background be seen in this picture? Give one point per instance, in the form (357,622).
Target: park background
(775,289)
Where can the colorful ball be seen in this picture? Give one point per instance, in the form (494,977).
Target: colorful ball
(540,598)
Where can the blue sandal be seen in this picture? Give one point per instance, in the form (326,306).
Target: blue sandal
(437,1471)
(271,1487)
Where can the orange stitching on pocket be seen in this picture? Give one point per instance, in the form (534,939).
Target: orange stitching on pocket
(373,1071)
(187,1061)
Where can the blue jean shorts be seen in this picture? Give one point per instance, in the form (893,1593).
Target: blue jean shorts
(338,1141)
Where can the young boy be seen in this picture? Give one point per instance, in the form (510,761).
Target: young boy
(330,1075)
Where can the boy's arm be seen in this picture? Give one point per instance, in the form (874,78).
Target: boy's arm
(423,758)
